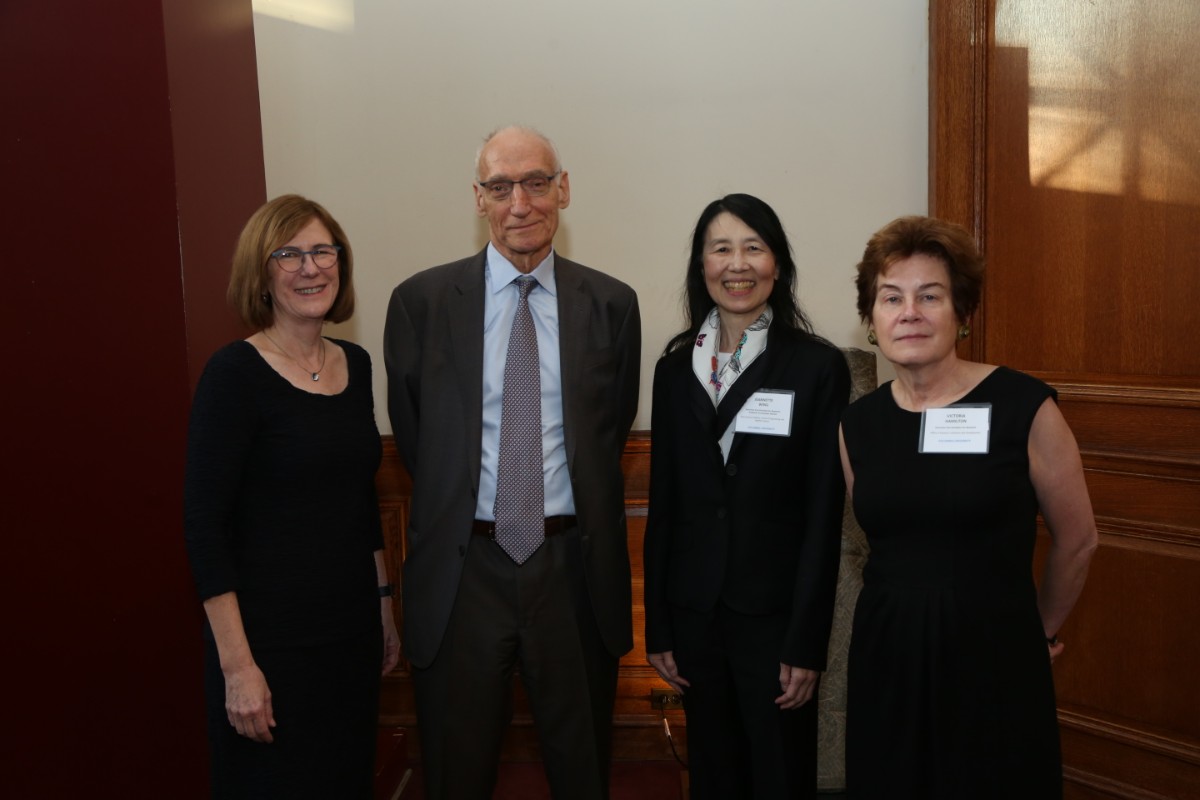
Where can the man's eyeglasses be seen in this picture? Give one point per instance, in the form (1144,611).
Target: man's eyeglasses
(290,259)
(536,186)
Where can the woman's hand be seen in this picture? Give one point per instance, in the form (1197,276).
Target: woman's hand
(247,697)
(248,703)
(664,665)
(798,685)
(391,639)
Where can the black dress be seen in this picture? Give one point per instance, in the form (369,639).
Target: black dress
(950,693)
(280,507)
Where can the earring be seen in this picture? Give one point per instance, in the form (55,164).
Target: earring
(266,298)
(872,338)
(963,332)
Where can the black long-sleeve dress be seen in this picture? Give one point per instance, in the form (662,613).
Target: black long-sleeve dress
(280,507)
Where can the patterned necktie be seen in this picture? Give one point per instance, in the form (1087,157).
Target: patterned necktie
(520,494)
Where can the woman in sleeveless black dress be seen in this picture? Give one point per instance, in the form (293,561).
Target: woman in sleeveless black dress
(950,692)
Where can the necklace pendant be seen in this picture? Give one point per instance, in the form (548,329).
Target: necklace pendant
(316,377)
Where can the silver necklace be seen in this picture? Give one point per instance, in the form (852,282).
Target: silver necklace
(316,376)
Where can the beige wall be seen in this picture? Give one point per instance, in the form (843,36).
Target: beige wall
(377,107)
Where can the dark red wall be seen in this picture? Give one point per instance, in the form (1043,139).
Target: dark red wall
(124,184)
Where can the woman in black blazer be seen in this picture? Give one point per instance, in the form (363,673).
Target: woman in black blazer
(746,497)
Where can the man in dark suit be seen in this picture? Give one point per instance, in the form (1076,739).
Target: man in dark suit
(510,401)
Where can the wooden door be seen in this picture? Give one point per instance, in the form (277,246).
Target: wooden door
(1066,135)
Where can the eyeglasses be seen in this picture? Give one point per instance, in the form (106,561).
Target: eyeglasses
(536,186)
(291,259)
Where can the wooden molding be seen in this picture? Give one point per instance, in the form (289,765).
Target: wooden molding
(1175,542)
(1115,760)
(1172,746)
(1106,787)
(958,67)
(1174,392)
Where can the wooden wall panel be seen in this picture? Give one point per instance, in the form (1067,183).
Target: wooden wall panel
(1157,423)
(1143,679)
(1073,153)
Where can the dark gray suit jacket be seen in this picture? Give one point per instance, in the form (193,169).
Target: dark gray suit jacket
(433,349)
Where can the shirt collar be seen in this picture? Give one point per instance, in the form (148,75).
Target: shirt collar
(500,272)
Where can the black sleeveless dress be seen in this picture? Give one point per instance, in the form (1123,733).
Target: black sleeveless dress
(950,693)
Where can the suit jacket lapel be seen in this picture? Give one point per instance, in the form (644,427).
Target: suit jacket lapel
(701,403)
(572,337)
(465,323)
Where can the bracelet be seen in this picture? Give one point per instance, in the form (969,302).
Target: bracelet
(387,590)
(1052,640)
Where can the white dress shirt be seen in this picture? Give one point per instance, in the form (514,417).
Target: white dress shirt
(499,307)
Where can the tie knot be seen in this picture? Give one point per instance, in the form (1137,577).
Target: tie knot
(525,284)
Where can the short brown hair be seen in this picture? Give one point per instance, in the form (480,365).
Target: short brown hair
(267,230)
(909,236)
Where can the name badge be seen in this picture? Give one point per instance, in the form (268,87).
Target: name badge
(956,429)
(768,411)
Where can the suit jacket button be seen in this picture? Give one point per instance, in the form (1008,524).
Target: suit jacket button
(462,550)
(720,513)
(731,469)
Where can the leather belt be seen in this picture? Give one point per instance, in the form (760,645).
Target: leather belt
(554,526)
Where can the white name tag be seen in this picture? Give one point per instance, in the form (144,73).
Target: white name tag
(956,429)
(768,411)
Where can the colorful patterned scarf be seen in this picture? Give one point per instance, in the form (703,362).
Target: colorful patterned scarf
(706,361)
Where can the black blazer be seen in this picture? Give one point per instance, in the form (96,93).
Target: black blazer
(761,532)
(433,349)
